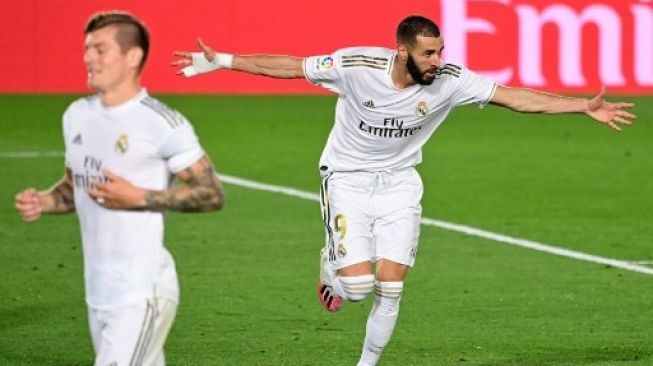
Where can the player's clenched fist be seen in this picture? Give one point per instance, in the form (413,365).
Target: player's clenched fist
(28,204)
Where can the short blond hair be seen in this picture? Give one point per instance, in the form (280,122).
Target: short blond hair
(131,31)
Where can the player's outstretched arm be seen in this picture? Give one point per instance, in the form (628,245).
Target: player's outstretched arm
(533,101)
(201,191)
(207,60)
(31,203)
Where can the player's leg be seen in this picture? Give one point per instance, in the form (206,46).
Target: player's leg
(396,231)
(346,271)
(153,353)
(381,322)
(134,335)
(352,283)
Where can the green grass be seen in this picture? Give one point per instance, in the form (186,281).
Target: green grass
(248,273)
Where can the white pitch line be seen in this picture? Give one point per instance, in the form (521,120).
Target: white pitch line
(642,262)
(524,243)
(270,188)
(31,154)
(501,238)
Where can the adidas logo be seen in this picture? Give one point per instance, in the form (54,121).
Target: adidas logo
(369,104)
(78,139)
(448,69)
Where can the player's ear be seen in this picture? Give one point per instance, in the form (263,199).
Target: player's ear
(402,50)
(134,57)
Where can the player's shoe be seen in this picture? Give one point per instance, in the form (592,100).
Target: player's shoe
(329,299)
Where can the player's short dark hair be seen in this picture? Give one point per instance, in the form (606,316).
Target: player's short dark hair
(413,26)
(131,31)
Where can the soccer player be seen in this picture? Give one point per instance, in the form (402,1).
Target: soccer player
(390,103)
(123,149)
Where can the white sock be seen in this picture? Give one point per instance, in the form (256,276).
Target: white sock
(381,322)
(354,288)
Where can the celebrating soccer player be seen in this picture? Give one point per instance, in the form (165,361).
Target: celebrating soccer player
(390,103)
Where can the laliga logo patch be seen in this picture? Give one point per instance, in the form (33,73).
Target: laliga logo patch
(122,144)
(422,109)
(325,63)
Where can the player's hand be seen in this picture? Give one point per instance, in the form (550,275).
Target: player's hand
(612,114)
(199,62)
(117,193)
(28,204)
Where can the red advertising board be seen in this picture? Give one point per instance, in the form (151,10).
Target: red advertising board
(561,46)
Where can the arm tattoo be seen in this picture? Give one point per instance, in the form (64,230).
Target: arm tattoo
(201,192)
(63,197)
(60,197)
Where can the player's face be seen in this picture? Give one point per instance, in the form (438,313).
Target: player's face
(106,64)
(424,59)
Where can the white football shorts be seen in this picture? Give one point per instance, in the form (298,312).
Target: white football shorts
(132,335)
(371,215)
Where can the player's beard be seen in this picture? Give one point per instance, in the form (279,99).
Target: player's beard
(416,74)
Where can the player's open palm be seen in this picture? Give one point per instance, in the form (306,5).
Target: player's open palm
(28,204)
(194,63)
(612,114)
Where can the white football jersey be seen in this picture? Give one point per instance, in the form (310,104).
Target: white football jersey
(144,142)
(379,127)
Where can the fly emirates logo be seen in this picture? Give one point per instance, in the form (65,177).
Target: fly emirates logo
(553,44)
(392,128)
(92,173)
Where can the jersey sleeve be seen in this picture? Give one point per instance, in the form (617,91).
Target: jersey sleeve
(181,147)
(470,87)
(324,71)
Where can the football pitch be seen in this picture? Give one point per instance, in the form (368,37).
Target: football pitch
(248,273)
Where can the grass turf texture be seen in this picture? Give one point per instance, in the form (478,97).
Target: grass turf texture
(248,273)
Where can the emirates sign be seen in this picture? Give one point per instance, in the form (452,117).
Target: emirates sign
(615,39)
(572,46)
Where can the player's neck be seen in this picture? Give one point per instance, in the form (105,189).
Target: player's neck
(120,93)
(401,78)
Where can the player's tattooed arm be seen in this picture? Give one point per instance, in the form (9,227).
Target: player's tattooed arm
(59,198)
(201,191)
(62,195)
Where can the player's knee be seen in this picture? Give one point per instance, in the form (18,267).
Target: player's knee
(389,294)
(356,288)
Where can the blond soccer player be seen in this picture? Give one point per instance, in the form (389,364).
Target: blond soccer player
(123,148)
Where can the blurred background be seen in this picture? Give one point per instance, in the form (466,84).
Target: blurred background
(572,46)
